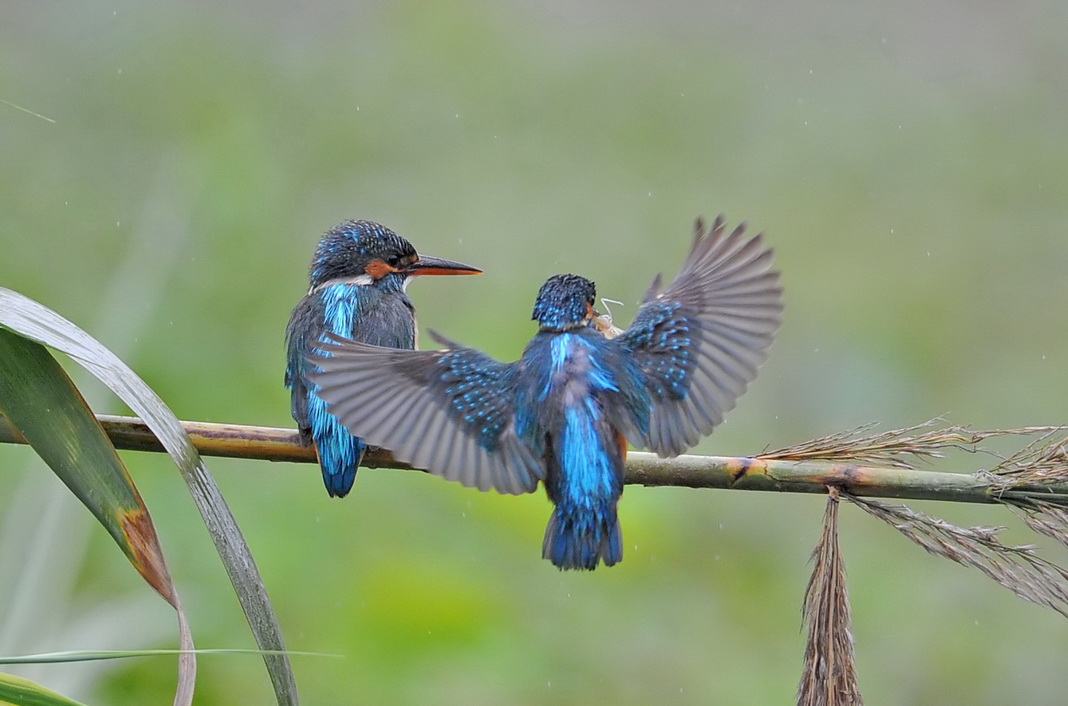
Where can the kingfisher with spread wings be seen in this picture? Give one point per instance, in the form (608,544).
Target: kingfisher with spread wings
(564,413)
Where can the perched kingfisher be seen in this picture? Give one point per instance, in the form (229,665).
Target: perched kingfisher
(563,413)
(358,279)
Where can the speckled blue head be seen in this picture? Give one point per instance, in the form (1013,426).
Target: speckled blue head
(564,302)
(347,249)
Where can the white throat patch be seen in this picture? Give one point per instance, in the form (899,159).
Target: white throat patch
(359,280)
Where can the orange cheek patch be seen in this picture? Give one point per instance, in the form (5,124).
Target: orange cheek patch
(379,269)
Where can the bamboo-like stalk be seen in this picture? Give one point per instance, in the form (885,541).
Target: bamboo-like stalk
(735,473)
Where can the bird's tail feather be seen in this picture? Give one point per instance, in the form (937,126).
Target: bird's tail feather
(579,541)
(339,456)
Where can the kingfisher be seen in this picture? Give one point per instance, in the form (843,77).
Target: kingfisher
(359,276)
(564,413)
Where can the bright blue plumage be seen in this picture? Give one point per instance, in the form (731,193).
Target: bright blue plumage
(586,467)
(562,413)
(569,409)
(358,278)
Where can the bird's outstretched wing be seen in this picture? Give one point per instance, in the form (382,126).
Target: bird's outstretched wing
(450,412)
(700,341)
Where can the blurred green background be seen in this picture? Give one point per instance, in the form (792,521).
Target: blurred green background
(909,163)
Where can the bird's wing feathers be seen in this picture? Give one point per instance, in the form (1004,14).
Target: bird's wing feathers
(303,328)
(700,341)
(449,412)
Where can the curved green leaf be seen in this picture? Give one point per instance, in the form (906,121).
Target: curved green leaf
(23,692)
(42,402)
(43,325)
(47,409)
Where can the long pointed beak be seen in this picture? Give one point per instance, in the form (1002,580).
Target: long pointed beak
(428,265)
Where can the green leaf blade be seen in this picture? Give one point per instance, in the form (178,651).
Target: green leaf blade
(17,691)
(45,326)
(44,405)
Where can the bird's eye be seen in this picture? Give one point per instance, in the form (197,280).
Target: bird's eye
(394,261)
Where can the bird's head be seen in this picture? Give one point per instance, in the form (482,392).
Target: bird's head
(564,302)
(363,252)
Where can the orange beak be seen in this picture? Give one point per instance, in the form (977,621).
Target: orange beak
(427,265)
